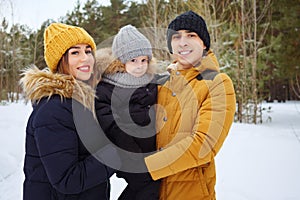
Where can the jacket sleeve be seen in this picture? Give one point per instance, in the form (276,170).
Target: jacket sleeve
(59,146)
(108,123)
(214,119)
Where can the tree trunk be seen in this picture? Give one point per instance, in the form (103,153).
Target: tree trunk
(254,68)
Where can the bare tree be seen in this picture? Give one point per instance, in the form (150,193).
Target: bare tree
(296,83)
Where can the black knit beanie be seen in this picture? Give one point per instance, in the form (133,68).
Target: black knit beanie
(188,21)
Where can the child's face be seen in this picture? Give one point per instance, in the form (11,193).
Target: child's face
(137,66)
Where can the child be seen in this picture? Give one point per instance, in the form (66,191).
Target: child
(125,109)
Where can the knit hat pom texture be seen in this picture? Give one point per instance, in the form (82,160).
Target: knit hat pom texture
(192,22)
(58,38)
(129,43)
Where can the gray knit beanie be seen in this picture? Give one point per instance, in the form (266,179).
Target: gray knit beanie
(129,43)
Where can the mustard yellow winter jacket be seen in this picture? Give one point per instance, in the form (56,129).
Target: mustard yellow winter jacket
(195,111)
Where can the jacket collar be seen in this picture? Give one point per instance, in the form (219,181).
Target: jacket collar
(126,80)
(38,84)
(209,62)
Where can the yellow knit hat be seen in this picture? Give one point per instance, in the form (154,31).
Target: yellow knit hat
(58,38)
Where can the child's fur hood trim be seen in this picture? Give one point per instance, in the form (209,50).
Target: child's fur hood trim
(104,58)
(38,84)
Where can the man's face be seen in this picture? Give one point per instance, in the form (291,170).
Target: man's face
(187,48)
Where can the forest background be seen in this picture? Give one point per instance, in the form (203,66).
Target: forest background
(257,43)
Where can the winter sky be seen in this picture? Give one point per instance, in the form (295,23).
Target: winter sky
(34,12)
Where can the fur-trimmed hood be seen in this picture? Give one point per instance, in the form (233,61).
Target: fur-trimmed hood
(108,64)
(104,58)
(38,84)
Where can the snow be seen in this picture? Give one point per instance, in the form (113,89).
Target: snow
(256,162)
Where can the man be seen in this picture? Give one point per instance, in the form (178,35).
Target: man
(196,107)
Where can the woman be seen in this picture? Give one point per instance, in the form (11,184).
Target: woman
(62,160)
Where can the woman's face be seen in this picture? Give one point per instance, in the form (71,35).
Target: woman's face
(137,66)
(81,61)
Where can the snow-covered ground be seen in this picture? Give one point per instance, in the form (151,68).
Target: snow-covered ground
(257,162)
